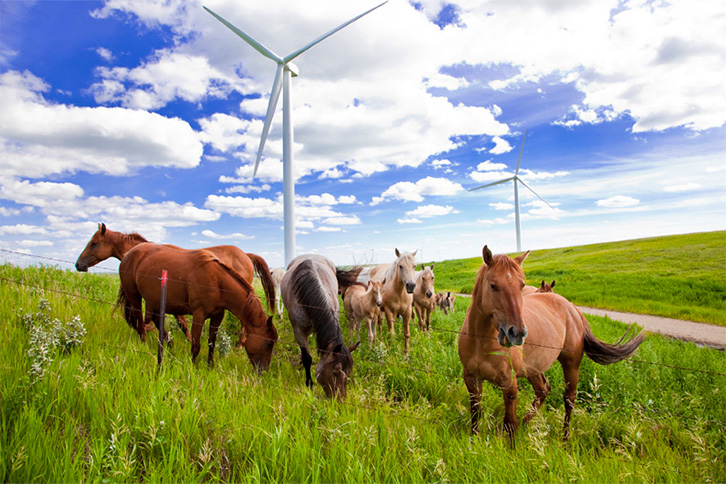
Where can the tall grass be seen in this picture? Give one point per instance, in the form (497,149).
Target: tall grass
(681,276)
(103,413)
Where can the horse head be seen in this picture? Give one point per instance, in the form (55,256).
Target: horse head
(544,287)
(334,368)
(375,288)
(404,268)
(501,283)
(259,344)
(96,250)
(426,279)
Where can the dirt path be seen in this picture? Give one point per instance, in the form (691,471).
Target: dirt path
(702,333)
(707,334)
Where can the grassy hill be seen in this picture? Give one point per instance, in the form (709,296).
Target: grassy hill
(679,276)
(81,400)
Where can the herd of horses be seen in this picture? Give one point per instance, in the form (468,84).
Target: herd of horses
(510,330)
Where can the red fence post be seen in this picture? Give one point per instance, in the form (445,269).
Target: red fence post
(162,316)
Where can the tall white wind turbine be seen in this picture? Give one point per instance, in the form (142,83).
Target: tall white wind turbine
(285,70)
(515,179)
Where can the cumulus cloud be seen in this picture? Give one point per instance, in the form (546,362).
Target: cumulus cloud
(427,211)
(500,146)
(415,192)
(234,236)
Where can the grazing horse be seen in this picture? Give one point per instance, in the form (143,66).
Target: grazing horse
(309,291)
(506,335)
(106,243)
(445,302)
(544,287)
(199,284)
(363,303)
(277,274)
(424,297)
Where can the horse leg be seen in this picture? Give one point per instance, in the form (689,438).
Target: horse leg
(510,410)
(571,370)
(182,322)
(214,321)
(390,319)
(428,318)
(541,390)
(197,324)
(371,323)
(474,387)
(307,361)
(406,329)
(420,318)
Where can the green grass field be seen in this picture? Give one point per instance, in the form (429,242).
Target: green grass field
(681,277)
(101,412)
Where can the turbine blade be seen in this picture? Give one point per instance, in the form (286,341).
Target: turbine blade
(271,106)
(255,45)
(537,194)
(519,160)
(493,183)
(290,57)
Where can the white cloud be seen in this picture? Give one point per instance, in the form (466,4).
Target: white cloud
(427,211)
(500,146)
(502,206)
(685,187)
(245,207)
(490,166)
(350,220)
(408,221)
(235,236)
(38,138)
(416,192)
(105,54)
(22,229)
(618,201)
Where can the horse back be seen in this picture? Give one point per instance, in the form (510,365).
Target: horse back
(553,323)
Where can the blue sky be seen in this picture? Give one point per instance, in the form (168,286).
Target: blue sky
(146,115)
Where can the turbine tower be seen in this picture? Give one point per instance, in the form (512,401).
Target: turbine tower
(285,70)
(515,179)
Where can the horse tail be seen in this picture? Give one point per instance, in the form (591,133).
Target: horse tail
(347,278)
(263,271)
(606,354)
(121,301)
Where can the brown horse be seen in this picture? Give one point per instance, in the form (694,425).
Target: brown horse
(506,335)
(424,297)
(199,284)
(106,243)
(544,287)
(445,301)
(309,291)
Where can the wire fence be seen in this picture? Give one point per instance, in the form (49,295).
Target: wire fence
(389,411)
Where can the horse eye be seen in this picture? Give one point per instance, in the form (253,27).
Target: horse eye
(494,288)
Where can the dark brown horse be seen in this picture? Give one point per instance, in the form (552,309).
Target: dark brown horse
(309,291)
(199,284)
(106,243)
(506,335)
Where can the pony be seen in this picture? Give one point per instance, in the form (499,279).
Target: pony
(199,284)
(544,287)
(424,297)
(106,243)
(363,303)
(506,336)
(309,291)
(276,275)
(445,302)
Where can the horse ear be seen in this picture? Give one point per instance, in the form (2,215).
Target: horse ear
(352,348)
(486,255)
(102,228)
(414,252)
(432,267)
(553,284)
(520,258)
(398,254)
(541,286)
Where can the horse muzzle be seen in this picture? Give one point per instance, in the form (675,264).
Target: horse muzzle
(81,267)
(511,336)
(410,286)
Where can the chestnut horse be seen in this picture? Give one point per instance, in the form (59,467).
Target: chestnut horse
(506,335)
(309,291)
(544,287)
(106,243)
(199,284)
(424,297)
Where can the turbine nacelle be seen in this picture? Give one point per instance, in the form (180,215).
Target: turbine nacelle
(294,70)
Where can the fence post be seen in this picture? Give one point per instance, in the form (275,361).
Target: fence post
(162,316)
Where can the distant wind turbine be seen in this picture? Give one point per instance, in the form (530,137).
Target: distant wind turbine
(515,179)
(287,69)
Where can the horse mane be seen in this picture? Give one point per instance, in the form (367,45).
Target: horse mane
(392,268)
(312,298)
(135,236)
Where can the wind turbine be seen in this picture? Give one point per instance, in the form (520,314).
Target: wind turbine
(515,179)
(285,70)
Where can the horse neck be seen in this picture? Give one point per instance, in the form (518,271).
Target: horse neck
(242,301)
(121,243)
